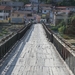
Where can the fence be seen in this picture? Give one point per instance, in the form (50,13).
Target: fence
(63,49)
(7,44)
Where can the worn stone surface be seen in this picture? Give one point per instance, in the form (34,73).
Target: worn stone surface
(34,56)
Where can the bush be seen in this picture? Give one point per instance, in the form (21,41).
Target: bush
(66,36)
(62,29)
(1,34)
(55,28)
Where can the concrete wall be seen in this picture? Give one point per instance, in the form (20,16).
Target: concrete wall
(65,51)
(17,20)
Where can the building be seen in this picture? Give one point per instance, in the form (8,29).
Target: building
(15,5)
(35,8)
(34,1)
(60,15)
(71,8)
(42,7)
(46,10)
(31,7)
(61,8)
(17,17)
(28,7)
(5,12)
(21,17)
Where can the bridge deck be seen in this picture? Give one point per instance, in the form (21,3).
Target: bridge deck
(34,55)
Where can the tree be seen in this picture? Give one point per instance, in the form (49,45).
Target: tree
(49,1)
(25,1)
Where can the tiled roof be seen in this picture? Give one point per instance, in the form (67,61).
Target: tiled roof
(5,8)
(46,5)
(46,8)
(65,7)
(61,7)
(62,10)
(21,12)
(28,5)
(6,0)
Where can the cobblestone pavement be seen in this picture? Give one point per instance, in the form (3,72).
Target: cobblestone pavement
(34,56)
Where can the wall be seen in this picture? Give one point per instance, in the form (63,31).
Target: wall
(64,49)
(45,11)
(7,44)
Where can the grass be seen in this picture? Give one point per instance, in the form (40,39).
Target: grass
(1,34)
(5,32)
(66,36)
(4,21)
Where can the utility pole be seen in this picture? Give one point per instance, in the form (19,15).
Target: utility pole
(38,6)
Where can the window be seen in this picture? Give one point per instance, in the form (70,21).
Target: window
(2,2)
(44,10)
(18,15)
(29,14)
(1,17)
(12,14)
(5,2)
(1,10)
(68,8)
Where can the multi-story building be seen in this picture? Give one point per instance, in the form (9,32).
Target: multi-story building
(15,5)
(5,12)
(34,1)
(60,15)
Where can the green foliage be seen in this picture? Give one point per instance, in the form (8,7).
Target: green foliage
(49,1)
(67,3)
(5,32)
(55,28)
(62,29)
(1,34)
(46,1)
(65,36)
(72,17)
(25,1)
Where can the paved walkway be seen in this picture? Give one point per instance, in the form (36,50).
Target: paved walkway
(34,56)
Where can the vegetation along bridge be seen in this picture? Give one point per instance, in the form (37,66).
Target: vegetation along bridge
(34,55)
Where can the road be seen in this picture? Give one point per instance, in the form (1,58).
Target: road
(34,55)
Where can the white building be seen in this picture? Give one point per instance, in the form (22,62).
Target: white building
(31,7)
(28,7)
(43,8)
(5,12)
(35,8)
(46,10)
(60,15)
(71,8)
(15,5)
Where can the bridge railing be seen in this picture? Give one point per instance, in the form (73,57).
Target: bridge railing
(7,44)
(64,49)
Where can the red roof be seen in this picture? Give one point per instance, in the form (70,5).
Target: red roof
(45,5)
(6,0)
(21,12)
(61,7)
(66,11)
(5,8)
(28,5)
(46,8)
